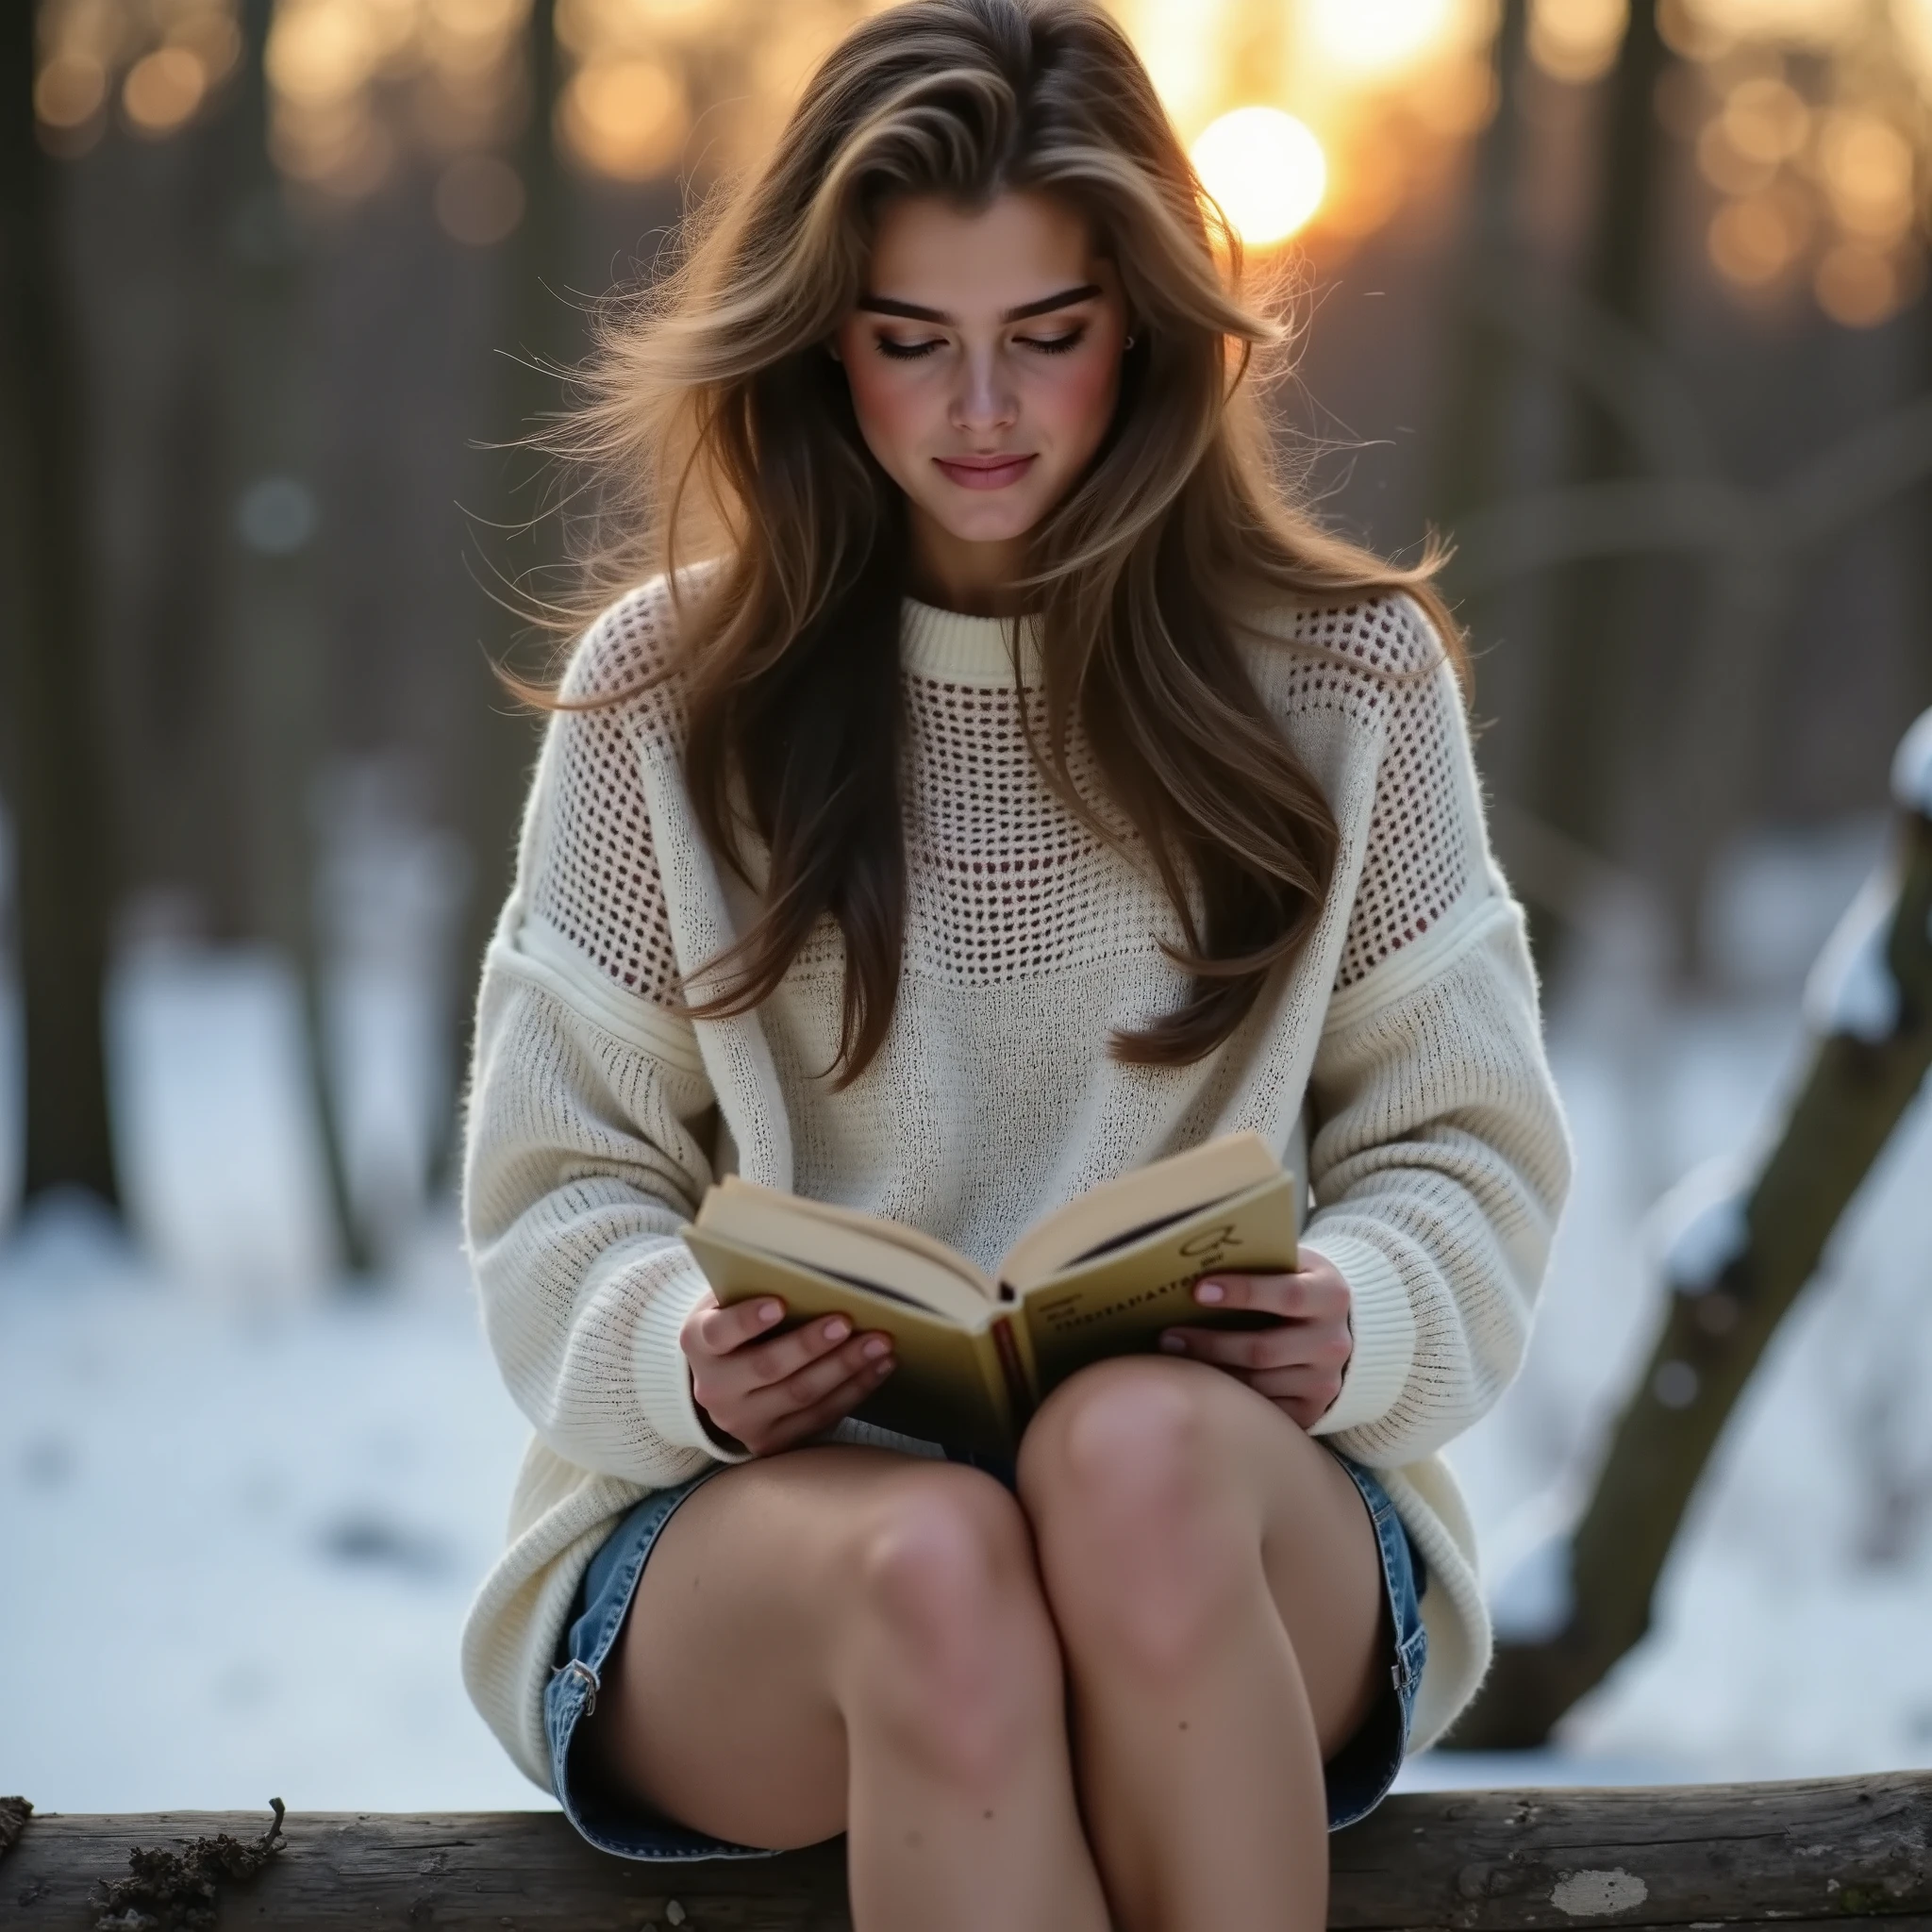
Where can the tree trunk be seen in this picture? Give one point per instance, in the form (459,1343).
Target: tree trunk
(277,641)
(1733,1279)
(56,774)
(1583,724)
(1467,460)
(519,549)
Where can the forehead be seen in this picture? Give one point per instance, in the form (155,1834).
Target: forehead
(965,261)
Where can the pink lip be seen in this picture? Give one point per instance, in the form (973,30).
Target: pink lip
(984,472)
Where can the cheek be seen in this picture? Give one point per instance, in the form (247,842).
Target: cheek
(891,411)
(1078,401)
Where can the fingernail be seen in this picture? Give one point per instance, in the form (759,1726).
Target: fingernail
(838,1328)
(876,1347)
(1174,1344)
(770,1311)
(1210,1291)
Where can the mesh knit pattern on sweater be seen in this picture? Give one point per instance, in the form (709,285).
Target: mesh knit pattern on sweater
(1018,880)
(1401,1051)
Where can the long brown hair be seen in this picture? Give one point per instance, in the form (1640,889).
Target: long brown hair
(726,434)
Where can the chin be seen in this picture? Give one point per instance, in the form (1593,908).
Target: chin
(995,524)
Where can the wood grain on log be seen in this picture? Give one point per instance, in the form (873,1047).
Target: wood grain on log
(1837,1852)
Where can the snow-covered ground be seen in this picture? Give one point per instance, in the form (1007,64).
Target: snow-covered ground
(241,1511)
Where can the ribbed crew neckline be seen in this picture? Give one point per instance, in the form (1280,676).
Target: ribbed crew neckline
(958,649)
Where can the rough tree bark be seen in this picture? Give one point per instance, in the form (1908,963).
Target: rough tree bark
(1734,1271)
(56,776)
(1845,1852)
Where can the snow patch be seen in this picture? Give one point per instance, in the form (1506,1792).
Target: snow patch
(1911,768)
(1853,992)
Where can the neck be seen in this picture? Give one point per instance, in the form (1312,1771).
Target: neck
(976,579)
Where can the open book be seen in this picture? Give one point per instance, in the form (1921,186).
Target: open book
(1101,1276)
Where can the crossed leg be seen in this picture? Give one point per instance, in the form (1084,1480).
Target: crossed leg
(1215,1581)
(844,1640)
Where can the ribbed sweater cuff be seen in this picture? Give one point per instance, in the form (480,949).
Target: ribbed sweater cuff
(663,1376)
(1383,1326)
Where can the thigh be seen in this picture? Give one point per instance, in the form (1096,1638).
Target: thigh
(719,1705)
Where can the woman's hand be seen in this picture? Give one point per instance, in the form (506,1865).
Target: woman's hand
(1298,1365)
(772,1393)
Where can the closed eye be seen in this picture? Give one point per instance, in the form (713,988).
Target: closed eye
(905,352)
(1055,345)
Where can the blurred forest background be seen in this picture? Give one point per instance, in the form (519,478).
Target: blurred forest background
(1627,298)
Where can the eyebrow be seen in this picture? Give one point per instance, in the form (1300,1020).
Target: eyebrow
(885,305)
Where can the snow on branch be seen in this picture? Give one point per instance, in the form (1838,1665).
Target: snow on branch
(1852,992)
(1911,768)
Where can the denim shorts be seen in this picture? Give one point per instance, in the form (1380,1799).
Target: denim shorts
(1359,1775)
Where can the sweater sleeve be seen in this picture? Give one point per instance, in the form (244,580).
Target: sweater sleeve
(1440,1161)
(590,1110)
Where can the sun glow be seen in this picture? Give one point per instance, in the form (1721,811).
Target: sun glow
(1372,38)
(1267,171)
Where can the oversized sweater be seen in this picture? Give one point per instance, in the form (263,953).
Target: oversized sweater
(1398,1062)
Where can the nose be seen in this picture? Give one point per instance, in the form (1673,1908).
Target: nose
(984,402)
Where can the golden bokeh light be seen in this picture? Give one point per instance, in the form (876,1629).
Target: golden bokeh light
(1815,24)
(626,118)
(1377,37)
(1858,286)
(1365,190)
(321,50)
(1727,170)
(479,200)
(162,90)
(70,90)
(1867,165)
(584,28)
(1459,99)
(1267,171)
(1576,41)
(1755,242)
(1765,120)
(207,28)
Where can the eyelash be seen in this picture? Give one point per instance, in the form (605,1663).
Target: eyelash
(913,352)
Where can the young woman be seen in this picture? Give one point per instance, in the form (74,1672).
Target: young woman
(997,782)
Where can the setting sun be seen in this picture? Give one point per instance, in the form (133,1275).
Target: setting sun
(1267,171)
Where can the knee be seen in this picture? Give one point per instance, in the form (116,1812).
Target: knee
(951,1651)
(1146,1546)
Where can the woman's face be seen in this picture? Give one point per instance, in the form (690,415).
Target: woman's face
(984,359)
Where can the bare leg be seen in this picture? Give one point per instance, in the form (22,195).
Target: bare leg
(842,1640)
(1217,1588)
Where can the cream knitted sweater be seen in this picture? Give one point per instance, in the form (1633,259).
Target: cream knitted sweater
(1400,1061)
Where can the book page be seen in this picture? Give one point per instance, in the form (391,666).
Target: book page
(1118,1303)
(1137,1203)
(843,1241)
(947,1385)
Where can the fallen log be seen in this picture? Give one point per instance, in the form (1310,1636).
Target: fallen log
(1843,1852)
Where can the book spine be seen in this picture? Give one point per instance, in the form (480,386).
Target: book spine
(1013,1371)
